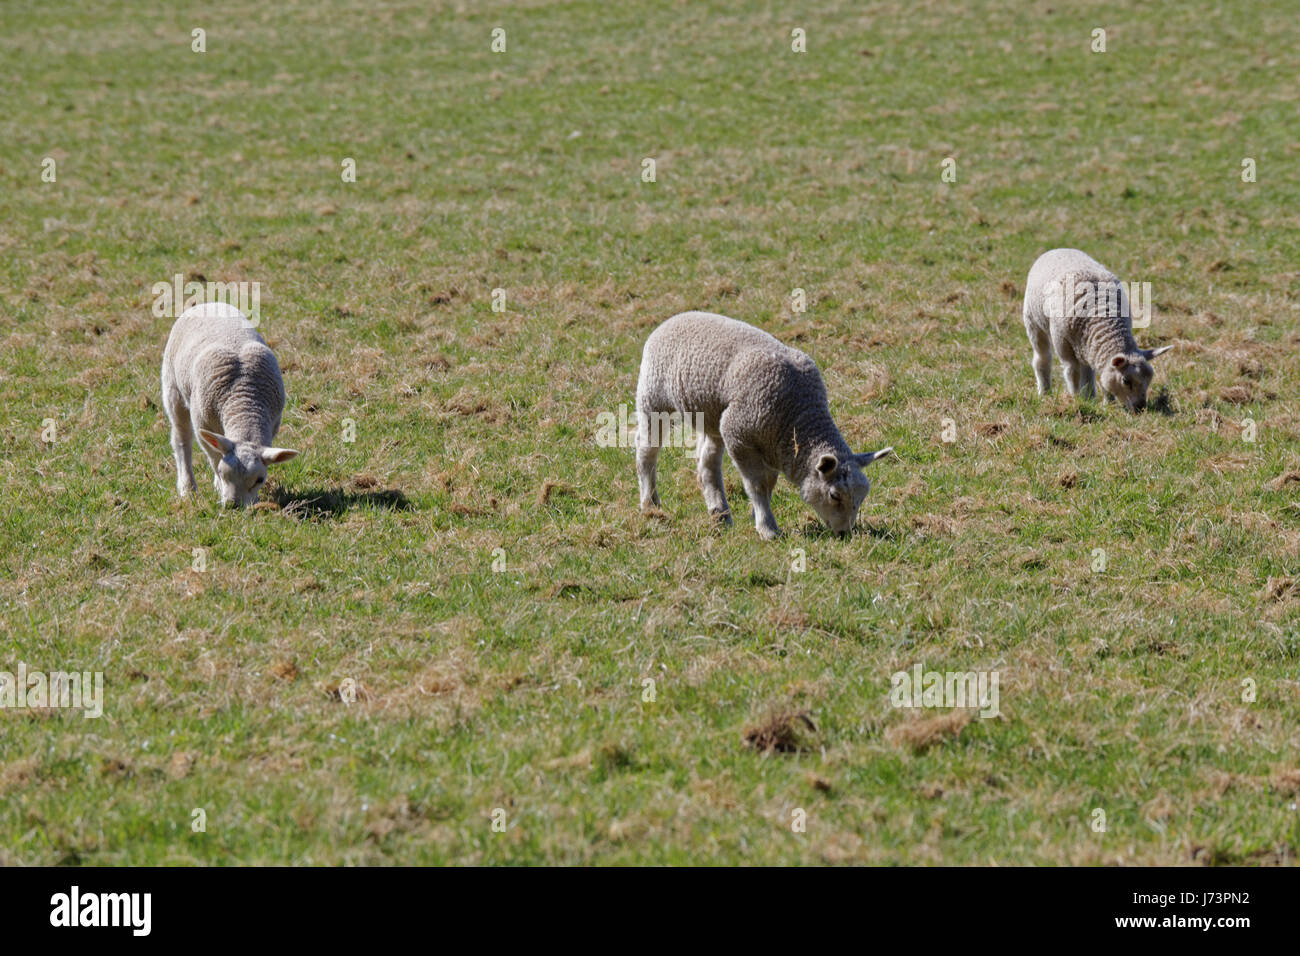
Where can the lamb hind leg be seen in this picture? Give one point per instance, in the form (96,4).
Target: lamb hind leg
(647,463)
(1042,360)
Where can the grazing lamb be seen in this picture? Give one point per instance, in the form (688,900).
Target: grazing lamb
(760,400)
(1077,306)
(219,379)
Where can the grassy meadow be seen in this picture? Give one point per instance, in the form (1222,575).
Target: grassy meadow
(473,566)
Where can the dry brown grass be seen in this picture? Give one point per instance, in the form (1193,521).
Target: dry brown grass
(782,731)
(921,733)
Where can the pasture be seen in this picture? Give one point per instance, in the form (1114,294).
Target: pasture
(451,637)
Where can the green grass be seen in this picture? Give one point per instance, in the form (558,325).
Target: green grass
(522,689)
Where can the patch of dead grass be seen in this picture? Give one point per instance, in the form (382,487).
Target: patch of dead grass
(1279,589)
(782,731)
(920,734)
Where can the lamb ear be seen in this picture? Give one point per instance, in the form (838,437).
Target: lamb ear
(1154,353)
(217,442)
(827,464)
(274,456)
(1119,361)
(867,457)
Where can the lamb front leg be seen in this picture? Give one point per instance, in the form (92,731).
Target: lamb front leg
(183,450)
(708,470)
(759,481)
(182,444)
(1072,371)
(214,459)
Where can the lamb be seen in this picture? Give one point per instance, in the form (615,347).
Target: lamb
(761,401)
(221,380)
(1077,306)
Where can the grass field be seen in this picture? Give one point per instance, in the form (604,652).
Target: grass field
(512,680)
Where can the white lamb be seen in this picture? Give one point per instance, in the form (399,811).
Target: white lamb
(1078,307)
(760,400)
(220,379)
